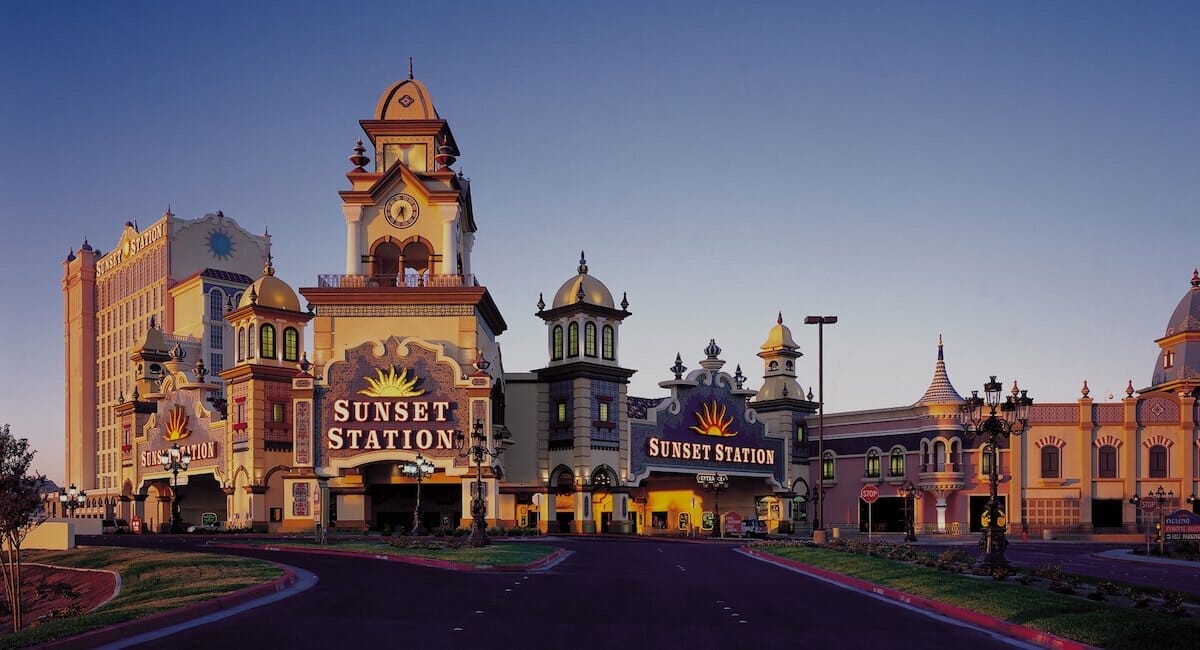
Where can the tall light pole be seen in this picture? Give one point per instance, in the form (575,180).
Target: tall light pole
(715,483)
(1012,421)
(475,446)
(1161,498)
(71,498)
(175,460)
(419,468)
(820,322)
(910,493)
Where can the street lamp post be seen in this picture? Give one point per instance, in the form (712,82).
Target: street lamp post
(71,498)
(715,483)
(1137,515)
(1012,420)
(1161,499)
(175,460)
(419,468)
(820,322)
(910,493)
(475,446)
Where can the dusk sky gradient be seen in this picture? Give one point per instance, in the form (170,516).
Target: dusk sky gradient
(1019,177)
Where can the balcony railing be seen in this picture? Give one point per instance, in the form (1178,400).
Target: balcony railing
(410,281)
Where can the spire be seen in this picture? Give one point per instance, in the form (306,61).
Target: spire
(625,300)
(779,319)
(940,390)
(1196,277)
(168,213)
(269,269)
(583,267)
(410,69)
(541,304)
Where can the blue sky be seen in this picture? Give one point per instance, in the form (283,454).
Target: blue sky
(1019,177)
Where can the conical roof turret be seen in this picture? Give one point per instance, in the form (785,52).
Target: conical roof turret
(940,390)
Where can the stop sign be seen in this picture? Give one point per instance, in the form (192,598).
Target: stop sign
(1148,505)
(869,493)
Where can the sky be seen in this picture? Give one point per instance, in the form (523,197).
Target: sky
(1018,177)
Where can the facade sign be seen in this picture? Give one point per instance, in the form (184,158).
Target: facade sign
(131,246)
(198,451)
(1181,526)
(403,400)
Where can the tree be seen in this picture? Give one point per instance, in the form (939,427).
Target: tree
(21,509)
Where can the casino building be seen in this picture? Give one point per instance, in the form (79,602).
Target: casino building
(405,366)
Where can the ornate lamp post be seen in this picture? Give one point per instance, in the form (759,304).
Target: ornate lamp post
(910,493)
(820,322)
(715,483)
(475,446)
(1161,498)
(175,460)
(71,498)
(1012,420)
(419,468)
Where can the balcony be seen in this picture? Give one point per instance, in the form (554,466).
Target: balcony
(411,281)
(945,476)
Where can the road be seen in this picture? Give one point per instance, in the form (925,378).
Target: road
(606,594)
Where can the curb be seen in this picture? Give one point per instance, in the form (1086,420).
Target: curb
(407,559)
(172,617)
(984,621)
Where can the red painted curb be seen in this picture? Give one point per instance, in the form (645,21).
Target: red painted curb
(1009,629)
(407,559)
(175,616)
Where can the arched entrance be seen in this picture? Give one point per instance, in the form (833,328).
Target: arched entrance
(391,499)
(385,265)
(563,485)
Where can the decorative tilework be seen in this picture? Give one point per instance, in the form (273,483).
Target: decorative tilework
(1110,413)
(1158,409)
(395,310)
(1054,413)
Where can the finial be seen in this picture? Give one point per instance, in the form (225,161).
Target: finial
(228,305)
(583,268)
(460,174)
(1129,389)
(481,363)
(359,158)
(579,295)
(168,213)
(410,72)
(70,256)
(785,391)
(712,351)
(1015,389)
(1085,389)
(738,378)
(152,322)
(541,305)
(121,397)
(678,368)
(269,269)
(445,155)
(940,357)
(253,296)
(311,309)
(779,319)
(266,232)
(136,396)
(177,353)
(304,364)
(86,246)
(201,371)
(810,394)
(220,214)
(1195,277)
(625,301)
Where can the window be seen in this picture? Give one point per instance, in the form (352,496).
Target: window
(607,349)
(604,412)
(1168,359)
(1158,461)
(250,343)
(556,346)
(216,363)
(216,304)
(560,410)
(291,344)
(573,340)
(216,336)
(872,464)
(266,343)
(1107,462)
(589,339)
(827,469)
(277,412)
(1050,465)
(939,456)
(241,344)
(896,463)
(985,459)
(801,434)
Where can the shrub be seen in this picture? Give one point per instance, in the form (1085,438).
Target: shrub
(1051,572)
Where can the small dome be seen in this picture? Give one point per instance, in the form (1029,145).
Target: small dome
(1186,317)
(594,291)
(270,291)
(780,337)
(1184,362)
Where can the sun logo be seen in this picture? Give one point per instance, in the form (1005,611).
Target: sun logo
(713,421)
(391,384)
(177,424)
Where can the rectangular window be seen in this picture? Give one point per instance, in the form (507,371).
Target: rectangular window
(1158,462)
(560,409)
(801,437)
(1107,462)
(1050,466)
(216,337)
(604,412)
(216,362)
(277,412)
(827,469)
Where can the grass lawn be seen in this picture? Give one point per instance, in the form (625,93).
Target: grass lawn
(151,582)
(503,554)
(1097,623)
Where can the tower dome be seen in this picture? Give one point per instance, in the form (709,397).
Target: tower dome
(780,337)
(583,288)
(270,291)
(1178,362)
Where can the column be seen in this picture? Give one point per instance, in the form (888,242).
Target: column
(468,242)
(353,214)
(584,522)
(547,515)
(621,513)
(449,248)
(941,512)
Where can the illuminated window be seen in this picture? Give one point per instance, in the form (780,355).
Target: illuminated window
(250,343)
(573,340)
(1158,461)
(560,409)
(604,411)
(896,463)
(607,348)
(291,344)
(277,412)
(1050,462)
(872,464)
(589,339)
(266,343)
(827,467)
(801,434)
(1106,464)
(241,344)
(556,347)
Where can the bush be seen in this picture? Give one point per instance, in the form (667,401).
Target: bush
(1051,572)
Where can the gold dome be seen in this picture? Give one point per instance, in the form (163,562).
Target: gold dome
(594,291)
(780,337)
(270,291)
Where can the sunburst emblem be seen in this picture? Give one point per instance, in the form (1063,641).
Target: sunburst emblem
(390,384)
(177,424)
(220,244)
(713,421)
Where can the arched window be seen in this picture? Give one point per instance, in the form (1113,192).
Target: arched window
(216,304)
(241,351)
(556,345)
(385,265)
(774,365)
(250,342)
(872,464)
(291,344)
(1106,462)
(896,462)
(416,257)
(573,340)
(1158,461)
(939,456)
(1050,464)
(589,339)
(607,348)
(828,463)
(266,341)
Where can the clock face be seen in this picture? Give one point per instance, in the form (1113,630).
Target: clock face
(220,244)
(401,210)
